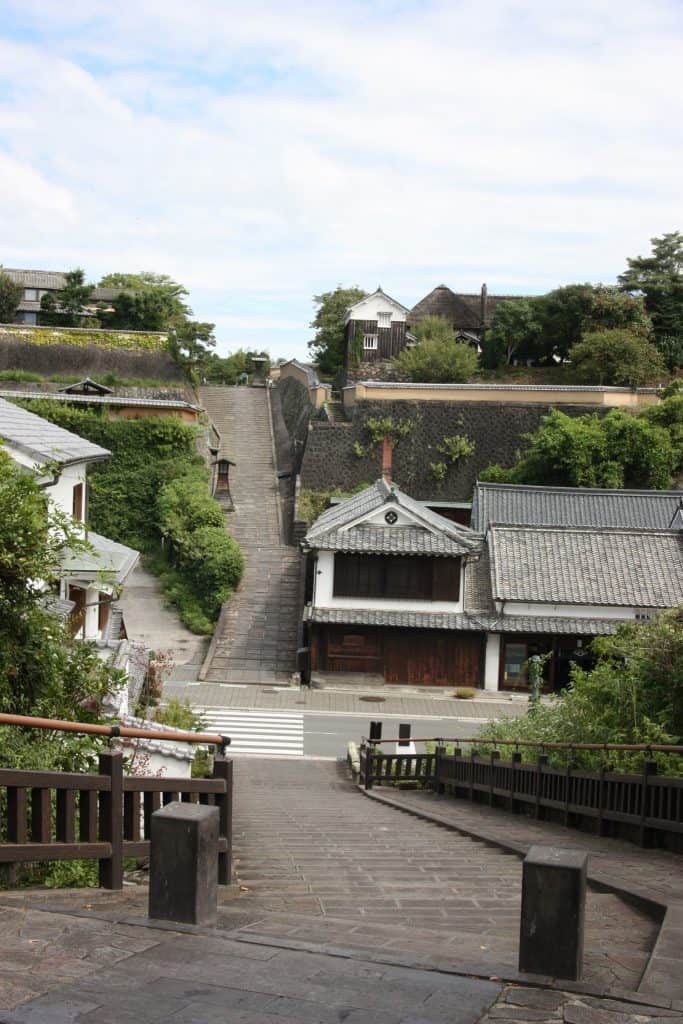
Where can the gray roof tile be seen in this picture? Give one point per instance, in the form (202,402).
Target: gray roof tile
(333,527)
(518,504)
(44,441)
(553,565)
(467,622)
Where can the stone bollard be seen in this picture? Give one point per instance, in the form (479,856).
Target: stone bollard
(183,864)
(553,906)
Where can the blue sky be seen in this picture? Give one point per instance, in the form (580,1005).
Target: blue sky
(265,152)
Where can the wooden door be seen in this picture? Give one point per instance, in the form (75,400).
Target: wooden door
(77,617)
(433,658)
(352,649)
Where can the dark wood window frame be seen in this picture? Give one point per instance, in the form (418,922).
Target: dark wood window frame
(78,503)
(396,577)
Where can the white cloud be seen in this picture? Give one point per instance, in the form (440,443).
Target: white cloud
(264,154)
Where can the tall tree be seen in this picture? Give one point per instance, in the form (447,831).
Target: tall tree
(567,313)
(146,302)
(10,297)
(514,333)
(65,307)
(659,278)
(615,357)
(327,347)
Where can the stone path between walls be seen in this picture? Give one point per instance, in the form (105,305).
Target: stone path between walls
(345,910)
(256,635)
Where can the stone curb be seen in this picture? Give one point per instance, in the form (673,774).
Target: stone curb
(665,966)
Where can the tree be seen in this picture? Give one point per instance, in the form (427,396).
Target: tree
(616,450)
(567,313)
(42,669)
(633,694)
(229,369)
(146,302)
(515,332)
(438,358)
(10,297)
(615,357)
(65,308)
(659,278)
(327,348)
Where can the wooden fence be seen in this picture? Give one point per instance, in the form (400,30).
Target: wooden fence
(645,807)
(47,816)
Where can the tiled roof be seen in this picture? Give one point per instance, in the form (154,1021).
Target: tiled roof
(49,279)
(332,526)
(477,596)
(524,505)
(307,368)
(541,388)
(42,440)
(462,622)
(553,565)
(396,540)
(122,400)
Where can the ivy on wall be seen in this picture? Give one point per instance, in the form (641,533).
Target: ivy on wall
(80,337)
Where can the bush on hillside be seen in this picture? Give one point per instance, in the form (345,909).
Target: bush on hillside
(437,361)
(616,357)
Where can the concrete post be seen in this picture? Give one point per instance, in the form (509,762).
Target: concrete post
(553,908)
(183,866)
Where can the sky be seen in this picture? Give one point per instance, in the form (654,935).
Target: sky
(264,152)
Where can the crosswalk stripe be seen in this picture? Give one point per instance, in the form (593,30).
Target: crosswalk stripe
(257,732)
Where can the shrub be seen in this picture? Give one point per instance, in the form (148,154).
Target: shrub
(616,357)
(21,375)
(438,362)
(465,692)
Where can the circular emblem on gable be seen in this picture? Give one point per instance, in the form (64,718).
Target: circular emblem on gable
(390,518)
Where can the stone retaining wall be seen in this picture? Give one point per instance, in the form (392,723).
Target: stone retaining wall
(496,429)
(87,360)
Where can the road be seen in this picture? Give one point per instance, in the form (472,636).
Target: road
(312,734)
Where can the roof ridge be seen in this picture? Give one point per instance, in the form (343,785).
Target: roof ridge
(552,488)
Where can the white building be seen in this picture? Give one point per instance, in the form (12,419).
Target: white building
(91,578)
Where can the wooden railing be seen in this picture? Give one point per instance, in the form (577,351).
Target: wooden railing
(47,816)
(645,807)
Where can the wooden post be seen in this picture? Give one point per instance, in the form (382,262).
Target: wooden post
(438,754)
(541,763)
(515,760)
(495,756)
(649,769)
(222,769)
(602,789)
(111,820)
(367,780)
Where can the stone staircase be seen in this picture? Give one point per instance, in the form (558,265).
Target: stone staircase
(255,639)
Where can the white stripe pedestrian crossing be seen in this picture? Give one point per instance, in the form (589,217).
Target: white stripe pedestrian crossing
(256,732)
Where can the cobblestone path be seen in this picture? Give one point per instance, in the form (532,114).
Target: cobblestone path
(255,640)
(317,860)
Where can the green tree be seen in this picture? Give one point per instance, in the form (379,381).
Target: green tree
(146,302)
(615,357)
(229,369)
(190,344)
(633,694)
(659,278)
(616,450)
(514,333)
(43,670)
(327,347)
(438,358)
(567,313)
(65,308)
(10,297)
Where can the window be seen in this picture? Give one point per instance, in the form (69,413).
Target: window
(369,342)
(384,319)
(643,616)
(30,294)
(77,504)
(409,577)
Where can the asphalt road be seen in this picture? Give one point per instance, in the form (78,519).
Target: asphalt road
(327,735)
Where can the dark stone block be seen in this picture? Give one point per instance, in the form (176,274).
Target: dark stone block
(553,912)
(183,868)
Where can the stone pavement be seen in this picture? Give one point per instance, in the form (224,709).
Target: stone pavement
(394,701)
(256,635)
(345,909)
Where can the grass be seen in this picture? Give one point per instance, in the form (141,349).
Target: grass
(109,379)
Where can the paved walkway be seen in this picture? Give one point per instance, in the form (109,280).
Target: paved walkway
(256,635)
(345,910)
(151,622)
(345,702)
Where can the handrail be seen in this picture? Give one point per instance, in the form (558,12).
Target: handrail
(481,741)
(113,731)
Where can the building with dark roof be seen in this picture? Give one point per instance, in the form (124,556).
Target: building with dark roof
(468,314)
(397,590)
(36,283)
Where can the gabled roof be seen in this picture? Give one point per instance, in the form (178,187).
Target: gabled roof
(378,291)
(87,386)
(45,441)
(134,401)
(560,565)
(524,505)
(49,279)
(464,311)
(344,528)
(307,368)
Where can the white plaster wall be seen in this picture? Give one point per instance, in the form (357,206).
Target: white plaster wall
(377,518)
(323,596)
(569,611)
(492,661)
(368,309)
(168,767)
(62,493)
